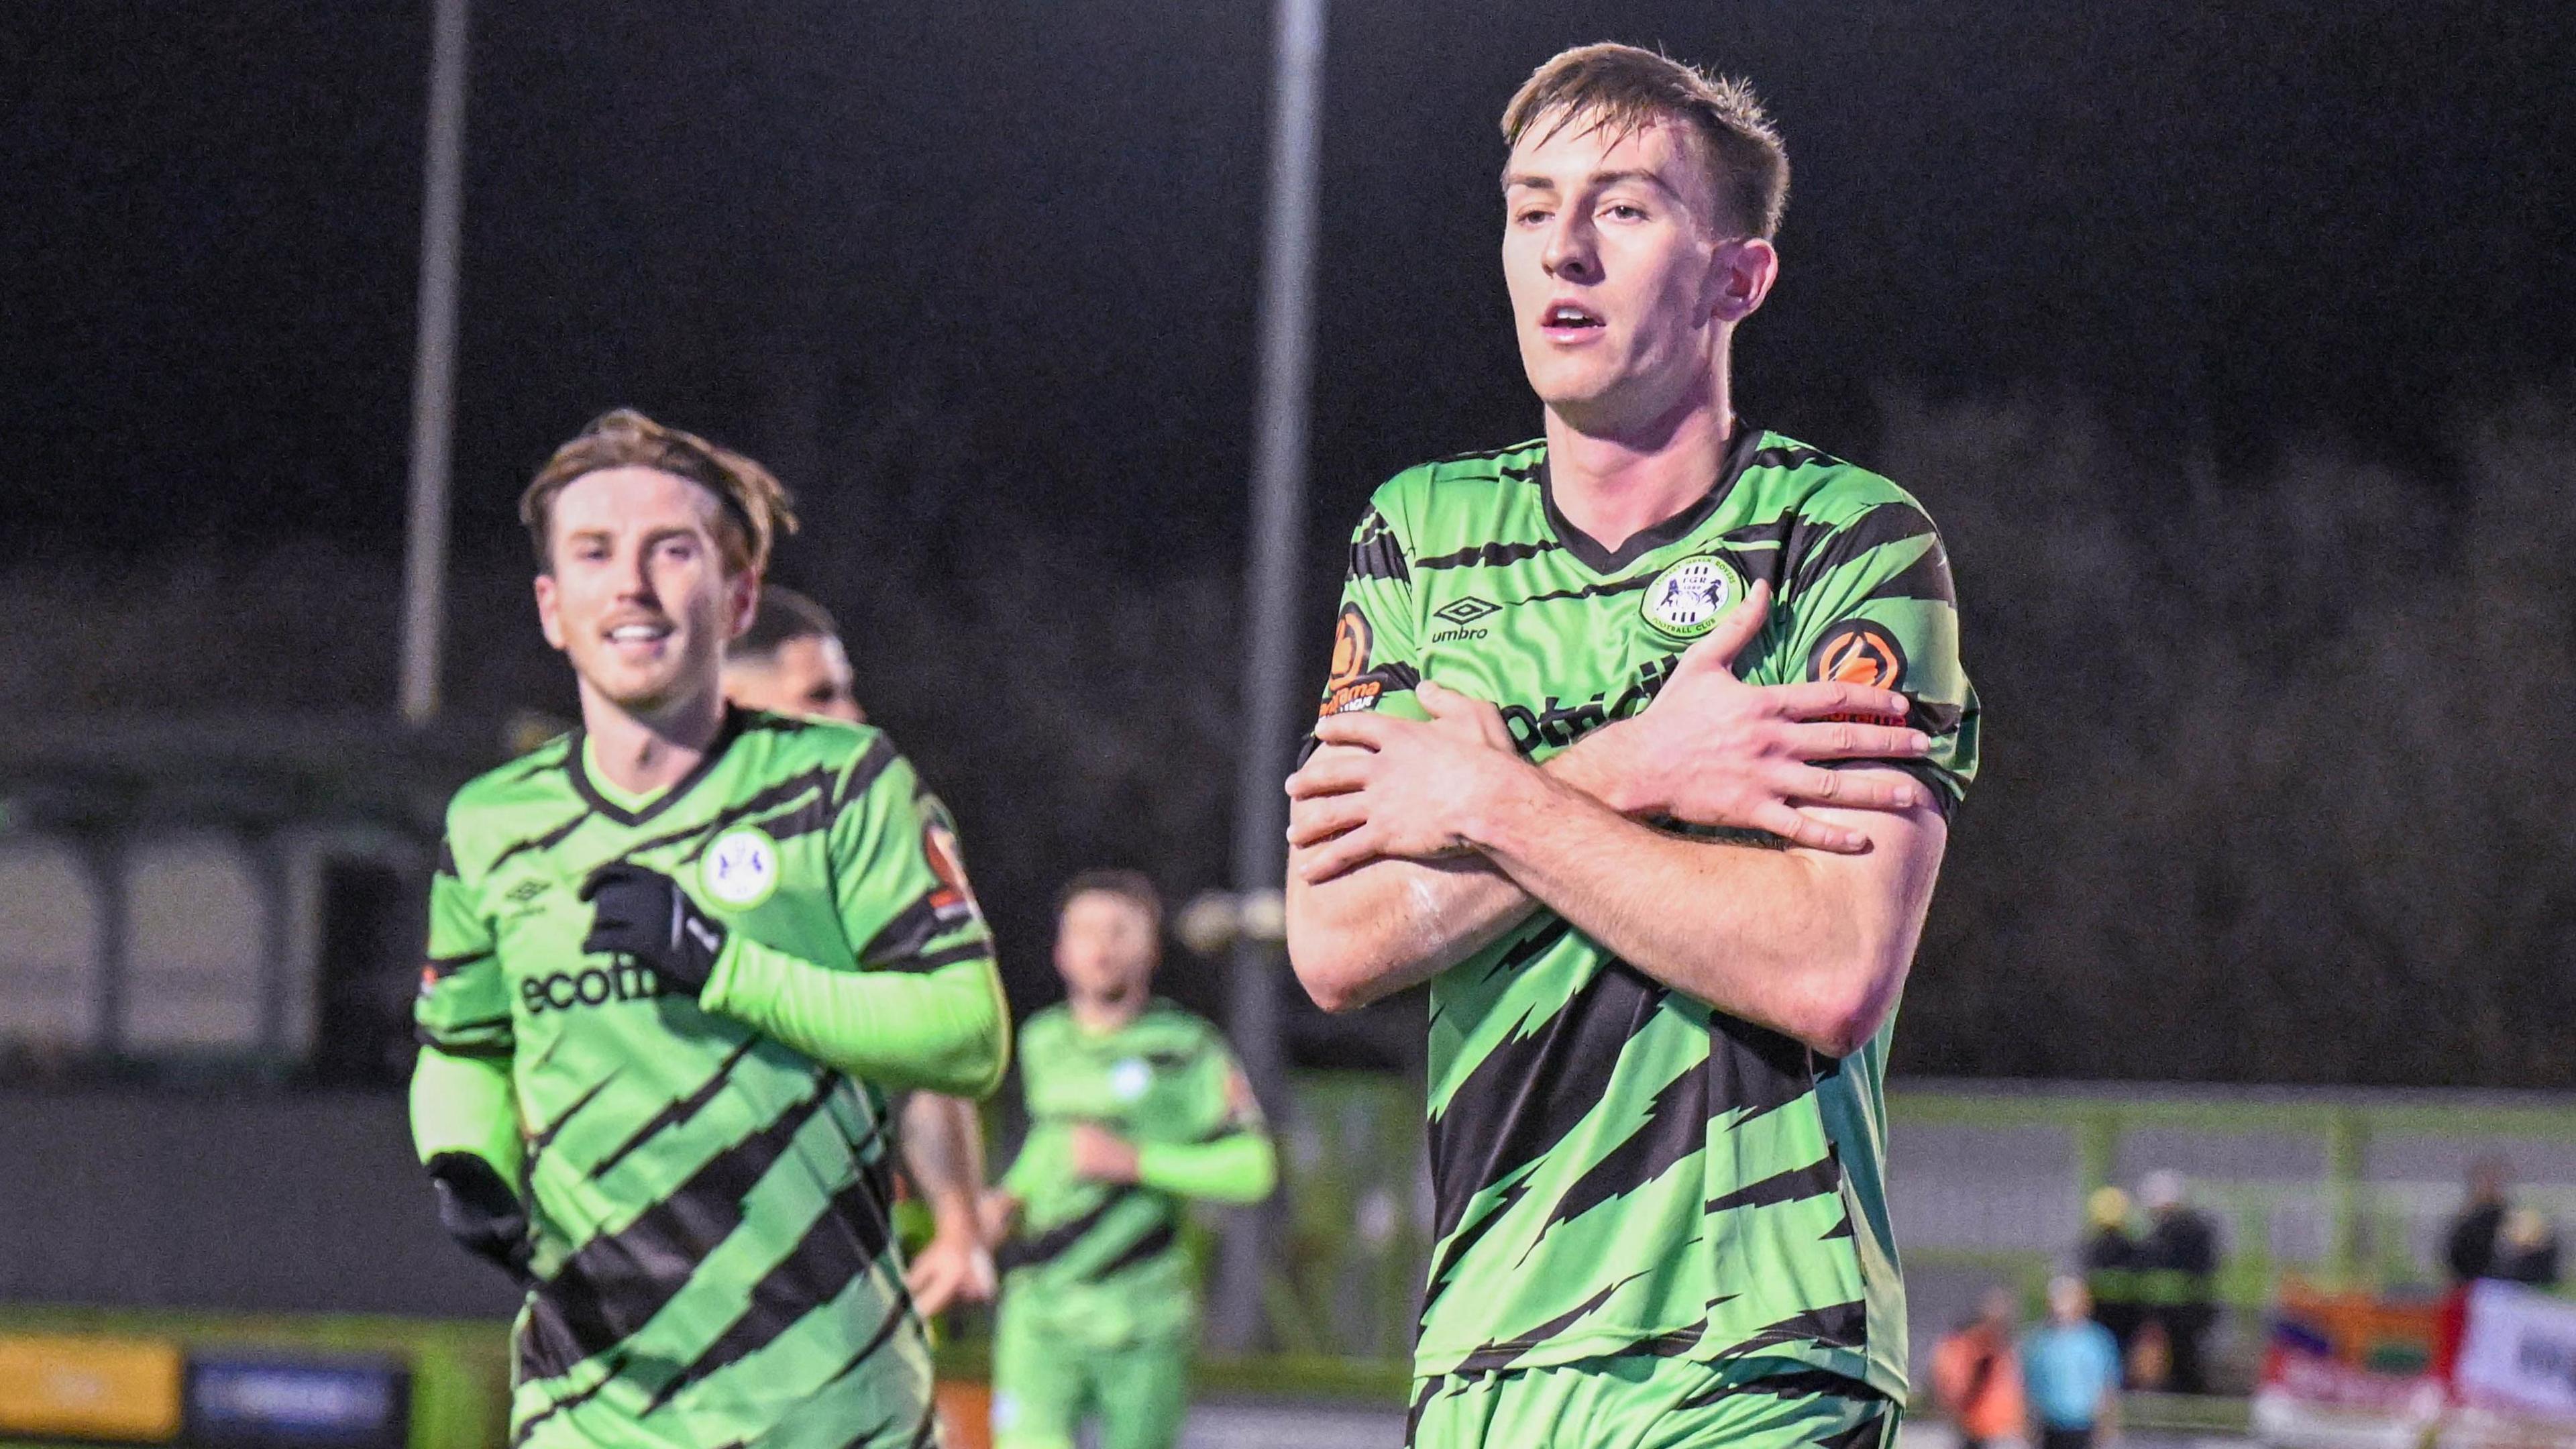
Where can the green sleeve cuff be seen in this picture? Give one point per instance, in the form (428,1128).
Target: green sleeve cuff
(945,1030)
(1042,1162)
(1015,1178)
(464,1104)
(1240,1167)
(720,986)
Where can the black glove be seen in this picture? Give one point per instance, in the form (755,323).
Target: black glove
(481,1213)
(644,914)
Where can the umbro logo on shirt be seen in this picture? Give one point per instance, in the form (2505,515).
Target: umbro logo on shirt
(1461,614)
(528,890)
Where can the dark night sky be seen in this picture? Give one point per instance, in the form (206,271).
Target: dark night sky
(2250,222)
(979,279)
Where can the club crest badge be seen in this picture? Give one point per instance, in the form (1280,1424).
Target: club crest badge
(740,869)
(1687,598)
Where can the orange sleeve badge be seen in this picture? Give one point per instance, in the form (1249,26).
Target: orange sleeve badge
(953,900)
(1860,652)
(1349,687)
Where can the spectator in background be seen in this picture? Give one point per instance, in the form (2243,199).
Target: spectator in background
(2472,1247)
(2111,1264)
(2071,1373)
(2178,1263)
(2491,1238)
(1976,1377)
(2527,1249)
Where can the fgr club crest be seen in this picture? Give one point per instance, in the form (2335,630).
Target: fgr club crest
(740,869)
(1686,599)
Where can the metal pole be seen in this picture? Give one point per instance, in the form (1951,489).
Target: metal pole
(433,382)
(1270,686)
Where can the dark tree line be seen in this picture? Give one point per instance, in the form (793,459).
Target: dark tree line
(2274,785)
(2276,772)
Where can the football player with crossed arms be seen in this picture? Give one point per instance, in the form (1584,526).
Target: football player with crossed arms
(1640,749)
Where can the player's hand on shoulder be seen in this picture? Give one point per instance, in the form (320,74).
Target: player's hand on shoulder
(1465,718)
(1389,788)
(1714,750)
(644,914)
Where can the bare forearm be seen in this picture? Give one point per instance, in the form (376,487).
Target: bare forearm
(1808,945)
(943,1149)
(1392,924)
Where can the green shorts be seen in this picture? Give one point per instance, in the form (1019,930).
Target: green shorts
(1044,1385)
(1638,1401)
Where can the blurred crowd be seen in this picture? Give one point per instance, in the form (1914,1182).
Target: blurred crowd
(2138,1310)
(2494,1238)
(2155,1291)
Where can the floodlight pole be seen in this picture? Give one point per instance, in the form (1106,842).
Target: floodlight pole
(433,381)
(1270,686)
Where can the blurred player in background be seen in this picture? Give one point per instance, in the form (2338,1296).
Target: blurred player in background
(673,956)
(791,661)
(1565,775)
(1135,1107)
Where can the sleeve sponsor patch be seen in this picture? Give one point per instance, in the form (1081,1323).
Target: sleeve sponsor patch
(1858,652)
(1242,1107)
(1349,687)
(952,900)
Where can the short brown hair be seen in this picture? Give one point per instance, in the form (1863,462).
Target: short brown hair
(1131,886)
(1624,89)
(784,615)
(754,503)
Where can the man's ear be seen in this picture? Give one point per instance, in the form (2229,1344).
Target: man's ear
(742,603)
(549,611)
(1740,277)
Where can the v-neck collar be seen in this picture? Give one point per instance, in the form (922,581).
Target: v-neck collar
(1592,554)
(1099,1040)
(577,765)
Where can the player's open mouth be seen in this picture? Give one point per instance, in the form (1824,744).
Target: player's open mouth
(1564,320)
(639,636)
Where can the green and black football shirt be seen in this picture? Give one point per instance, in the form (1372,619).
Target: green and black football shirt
(710,1206)
(1104,1264)
(1616,1167)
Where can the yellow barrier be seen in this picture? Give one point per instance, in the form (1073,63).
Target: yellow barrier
(124,1390)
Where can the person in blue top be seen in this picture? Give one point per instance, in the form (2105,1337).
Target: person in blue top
(2070,1369)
